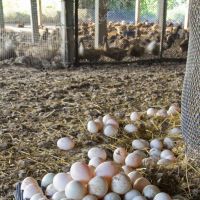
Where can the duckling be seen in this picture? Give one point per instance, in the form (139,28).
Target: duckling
(153,48)
(136,51)
(113,52)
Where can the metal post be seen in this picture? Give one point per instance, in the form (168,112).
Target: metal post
(34,21)
(186,22)
(76,32)
(1,15)
(162,20)
(67,23)
(100,21)
(39,13)
(137,11)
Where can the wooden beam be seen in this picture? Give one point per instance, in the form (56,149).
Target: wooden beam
(2,25)
(137,11)
(39,3)
(67,26)
(100,21)
(34,21)
(186,22)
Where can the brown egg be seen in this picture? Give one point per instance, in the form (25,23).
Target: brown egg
(134,175)
(141,183)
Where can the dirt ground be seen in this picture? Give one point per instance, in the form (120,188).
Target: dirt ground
(38,107)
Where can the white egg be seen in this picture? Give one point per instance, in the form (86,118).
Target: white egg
(37,196)
(127,169)
(149,162)
(164,161)
(75,190)
(162,196)
(95,161)
(99,123)
(156,143)
(47,179)
(150,191)
(135,116)
(174,109)
(162,113)
(121,184)
(90,197)
(27,181)
(30,190)
(65,143)
(131,194)
(175,131)
(140,144)
(106,117)
(92,127)
(50,190)
(119,155)
(60,181)
(139,198)
(133,160)
(110,131)
(58,195)
(112,196)
(166,153)
(171,157)
(134,175)
(155,153)
(168,143)
(141,183)
(140,153)
(130,128)
(112,122)
(151,112)
(98,186)
(97,152)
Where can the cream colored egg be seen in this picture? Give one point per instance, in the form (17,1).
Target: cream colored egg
(140,144)
(27,181)
(149,162)
(112,122)
(58,195)
(95,161)
(139,198)
(47,179)
(98,186)
(155,153)
(127,169)
(162,113)
(166,153)
(164,161)
(106,117)
(60,181)
(175,131)
(112,196)
(150,191)
(141,183)
(121,184)
(168,143)
(65,143)
(119,155)
(140,153)
(162,196)
(151,112)
(135,116)
(80,172)
(110,131)
(90,197)
(75,190)
(174,109)
(131,194)
(31,190)
(156,143)
(92,127)
(97,152)
(107,169)
(50,190)
(37,196)
(133,160)
(130,128)
(99,124)
(134,175)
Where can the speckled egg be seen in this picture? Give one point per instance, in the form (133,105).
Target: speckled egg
(97,152)
(119,155)
(133,160)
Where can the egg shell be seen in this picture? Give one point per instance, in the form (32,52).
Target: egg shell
(133,160)
(27,181)
(80,172)
(127,169)
(139,198)
(135,116)
(106,117)
(151,112)
(95,161)
(156,143)
(155,153)
(98,186)
(131,194)
(60,181)
(92,127)
(90,197)
(166,153)
(164,161)
(110,131)
(141,183)
(37,196)
(65,143)
(121,184)
(149,162)
(47,179)
(97,152)
(31,190)
(168,143)
(139,144)
(140,153)
(112,196)
(112,122)
(175,131)
(150,191)
(119,155)
(107,169)
(130,128)
(58,195)
(50,190)
(75,190)
(99,124)
(134,175)
(162,196)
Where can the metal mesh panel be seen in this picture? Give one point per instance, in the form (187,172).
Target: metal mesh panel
(191,90)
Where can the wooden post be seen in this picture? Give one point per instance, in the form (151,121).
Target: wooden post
(100,21)
(34,21)
(137,11)
(67,25)
(186,23)
(1,15)
(39,12)
(162,23)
